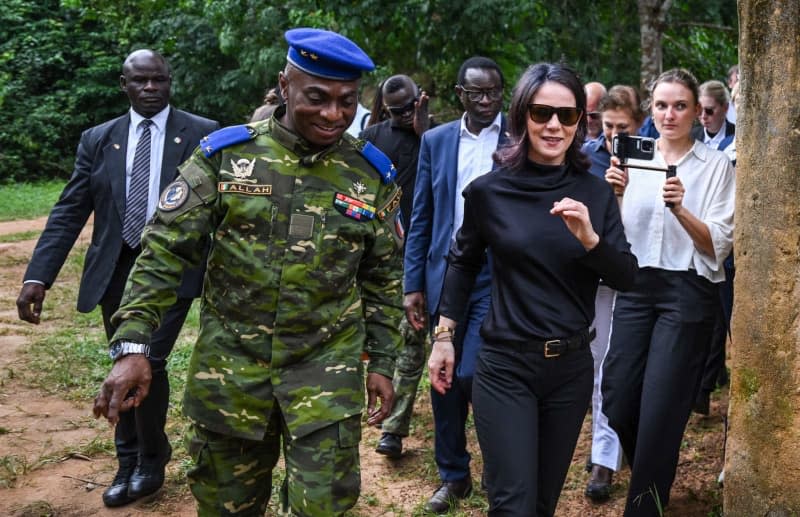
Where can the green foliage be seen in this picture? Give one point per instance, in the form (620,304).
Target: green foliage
(17,237)
(703,37)
(60,61)
(28,200)
(52,86)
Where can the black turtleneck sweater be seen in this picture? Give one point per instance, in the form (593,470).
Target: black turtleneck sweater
(543,281)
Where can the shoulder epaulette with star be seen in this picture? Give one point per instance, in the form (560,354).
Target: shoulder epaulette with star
(382,164)
(226,137)
(380,161)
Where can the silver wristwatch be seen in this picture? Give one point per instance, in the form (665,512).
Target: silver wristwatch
(122,348)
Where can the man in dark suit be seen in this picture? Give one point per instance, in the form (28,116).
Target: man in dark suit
(450,157)
(121,167)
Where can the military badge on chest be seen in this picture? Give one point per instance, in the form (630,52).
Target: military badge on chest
(353,208)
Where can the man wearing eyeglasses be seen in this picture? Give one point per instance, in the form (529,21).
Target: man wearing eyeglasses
(451,156)
(594,92)
(399,137)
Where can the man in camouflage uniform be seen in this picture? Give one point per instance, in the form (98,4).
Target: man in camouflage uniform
(304,276)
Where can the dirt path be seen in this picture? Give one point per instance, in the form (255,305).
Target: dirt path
(41,433)
(38,432)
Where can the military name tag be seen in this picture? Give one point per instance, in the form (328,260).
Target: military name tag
(240,188)
(353,208)
(391,205)
(174,195)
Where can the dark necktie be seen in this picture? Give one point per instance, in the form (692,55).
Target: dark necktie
(136,204)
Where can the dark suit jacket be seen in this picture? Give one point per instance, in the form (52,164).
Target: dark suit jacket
(428,238)
(98,185)
(730,131)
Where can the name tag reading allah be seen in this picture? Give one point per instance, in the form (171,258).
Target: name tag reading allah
(241,188)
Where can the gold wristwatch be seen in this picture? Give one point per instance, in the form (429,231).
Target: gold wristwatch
(441,329)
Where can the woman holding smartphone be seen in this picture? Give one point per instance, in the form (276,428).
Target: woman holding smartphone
(552,230)
(661,328)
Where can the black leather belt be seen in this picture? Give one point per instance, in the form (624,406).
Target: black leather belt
(556,347)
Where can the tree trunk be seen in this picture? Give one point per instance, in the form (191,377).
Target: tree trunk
(652,21)
(762,463)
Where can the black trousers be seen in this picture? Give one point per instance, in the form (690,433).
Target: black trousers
(528,413)
(659,344)
(715,372)
(139,435)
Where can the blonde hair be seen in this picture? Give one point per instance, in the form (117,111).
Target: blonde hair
(716,90)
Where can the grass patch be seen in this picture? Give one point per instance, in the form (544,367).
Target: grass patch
(12,467)
(20,236)
(37,509)
(29,200)
(71,363)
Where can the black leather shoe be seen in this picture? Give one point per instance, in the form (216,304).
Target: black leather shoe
(702,403)
(722,378)
(599,487)
(117,493)
(446,496)
(148,476)
(390,445)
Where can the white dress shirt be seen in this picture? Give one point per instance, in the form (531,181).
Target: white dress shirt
(657,238)
(157,134)
(474,160)
(714,141)
(158,131)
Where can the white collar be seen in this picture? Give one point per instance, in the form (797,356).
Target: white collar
(494,126)
(159,119)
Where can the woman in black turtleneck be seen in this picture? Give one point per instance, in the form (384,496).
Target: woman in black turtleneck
(552,230)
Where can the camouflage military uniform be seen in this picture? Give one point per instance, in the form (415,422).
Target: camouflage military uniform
(410,365)
(303,276)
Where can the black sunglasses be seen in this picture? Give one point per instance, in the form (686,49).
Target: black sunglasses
(594,115)
(709,111)
(542,113)
(402,110)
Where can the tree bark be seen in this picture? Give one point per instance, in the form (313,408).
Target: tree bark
(762,463)
(652,21)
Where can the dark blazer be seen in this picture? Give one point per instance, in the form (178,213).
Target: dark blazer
(98,185)
(730,131)
(428,238)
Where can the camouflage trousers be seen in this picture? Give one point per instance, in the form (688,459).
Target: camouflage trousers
(233,476)
(407,373)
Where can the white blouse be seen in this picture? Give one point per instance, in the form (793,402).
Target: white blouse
(657,238)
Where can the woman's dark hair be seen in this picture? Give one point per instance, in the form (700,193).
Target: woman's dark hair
(378,112)
(515,155)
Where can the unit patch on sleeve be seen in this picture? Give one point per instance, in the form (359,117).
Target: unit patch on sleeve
(174,195)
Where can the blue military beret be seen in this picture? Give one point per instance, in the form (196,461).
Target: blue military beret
(326,54)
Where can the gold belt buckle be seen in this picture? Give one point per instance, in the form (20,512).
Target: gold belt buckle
(547,353)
